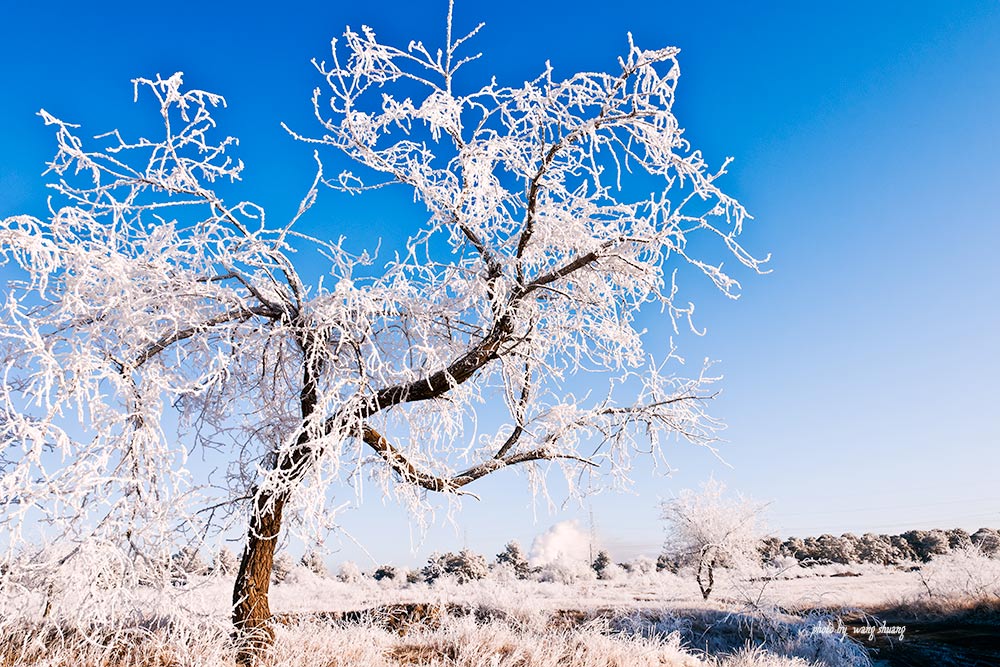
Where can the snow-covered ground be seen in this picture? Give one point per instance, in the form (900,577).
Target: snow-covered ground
(657,618)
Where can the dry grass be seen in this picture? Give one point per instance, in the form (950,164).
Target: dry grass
(426,637)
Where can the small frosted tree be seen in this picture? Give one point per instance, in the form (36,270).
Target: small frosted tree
(876,549)
(707,530)
(314,562)
(833,549)
(349,573)
(225,562)
(514,557)
(602,565)
(547,215)
(281,567)
(187,563)
(987,540)
(926,543)
(464,566)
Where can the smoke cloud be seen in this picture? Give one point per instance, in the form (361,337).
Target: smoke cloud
(562,542)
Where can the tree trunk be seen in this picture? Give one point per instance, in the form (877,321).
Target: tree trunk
(251,611)
(706,577)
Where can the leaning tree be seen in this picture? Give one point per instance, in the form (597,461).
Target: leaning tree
(148,317)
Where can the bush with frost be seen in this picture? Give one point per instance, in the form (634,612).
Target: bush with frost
(565,571)
(225,562)
(513,556)
(314,562)
(281,567)
(349,572)
(464,566)
(962,574)
(987,540)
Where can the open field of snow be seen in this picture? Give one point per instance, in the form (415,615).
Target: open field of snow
(657,618)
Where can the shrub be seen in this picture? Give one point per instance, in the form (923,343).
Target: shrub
(769,549)
(513,556)
(225,562)
(349,572)
(314,563)
(876,549)
(988,541)
(831,549)
(281,567)
(926,543)
(464,566)
(958,539)
(961,574)
(602,564)
(668,562)
(185,564)
(565,571)
(387,572)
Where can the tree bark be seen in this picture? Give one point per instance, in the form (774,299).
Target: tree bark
(251,608)
(706,577)
(251,611)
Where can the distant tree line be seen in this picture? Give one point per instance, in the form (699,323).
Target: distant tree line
(913,546)
(880,549)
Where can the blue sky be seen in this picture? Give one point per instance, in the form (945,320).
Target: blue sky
(860,374)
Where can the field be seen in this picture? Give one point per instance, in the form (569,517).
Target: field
(793,617)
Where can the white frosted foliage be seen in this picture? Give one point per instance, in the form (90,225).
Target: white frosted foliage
(555,211)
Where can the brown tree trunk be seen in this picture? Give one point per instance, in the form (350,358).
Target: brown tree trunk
(251,611)
(706,576)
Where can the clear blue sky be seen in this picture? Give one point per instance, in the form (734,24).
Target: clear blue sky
(860,375)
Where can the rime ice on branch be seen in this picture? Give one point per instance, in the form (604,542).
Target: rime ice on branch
(144,292)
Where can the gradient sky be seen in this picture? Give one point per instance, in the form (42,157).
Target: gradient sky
(860,383)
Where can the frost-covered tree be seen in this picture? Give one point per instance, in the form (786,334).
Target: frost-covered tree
(187,563)
(349,572)
(513,555)
(876,549)
(987,540)
(314,562)
(387,572)
(707,530)
(833,549)
(794,547)
(958,539)
(464,566)
(547,214)
(769,549)
(602,564)
(643,565)
(281,567)
(902,548)
(851,544)
(666,561)
(926,543)
(225,562)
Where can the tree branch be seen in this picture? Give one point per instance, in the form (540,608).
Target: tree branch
(166,341)
(403,467)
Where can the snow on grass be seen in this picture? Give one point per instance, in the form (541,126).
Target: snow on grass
(654,618)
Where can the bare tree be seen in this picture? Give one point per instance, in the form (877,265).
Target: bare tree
(553,212)
(707,530)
